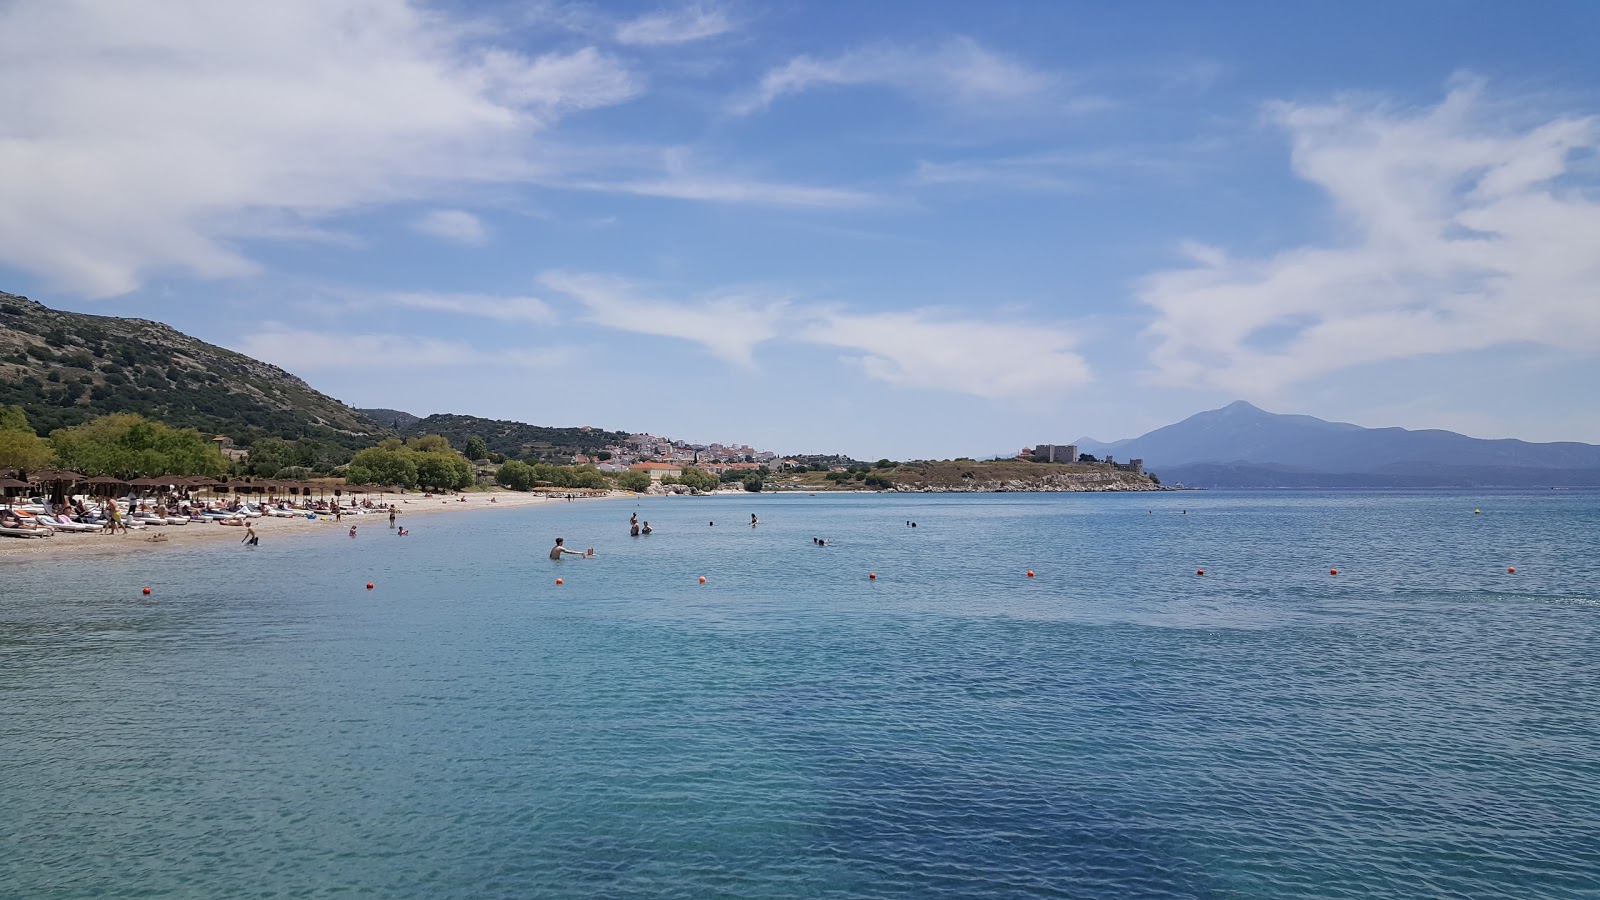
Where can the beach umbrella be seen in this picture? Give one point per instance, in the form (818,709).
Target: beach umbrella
(103,481)
(58,479)
(9,485)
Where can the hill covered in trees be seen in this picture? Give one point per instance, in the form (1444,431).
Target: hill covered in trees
(66,368)
(513,440)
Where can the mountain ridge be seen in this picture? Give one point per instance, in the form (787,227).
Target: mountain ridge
(1241,444)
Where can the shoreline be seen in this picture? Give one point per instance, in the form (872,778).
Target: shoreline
(196,533)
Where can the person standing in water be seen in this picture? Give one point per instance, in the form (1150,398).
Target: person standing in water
(754,521)
(560,548)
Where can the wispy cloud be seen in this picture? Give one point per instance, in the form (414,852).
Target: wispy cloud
(301,350)
(920,348)
(691,23)
(152,135)
(729,326)
(528,310)
(1463,235)
(959,71)
(736,191)
(454,225)
(927,349)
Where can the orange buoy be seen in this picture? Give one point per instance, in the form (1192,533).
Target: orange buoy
(1030,573)
(369,585)
(1511,570)
(1333,571)
(559,581)
(1199,571)
(147,592)
(872,576)
(702,579)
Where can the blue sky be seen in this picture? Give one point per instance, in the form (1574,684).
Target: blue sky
(914,229)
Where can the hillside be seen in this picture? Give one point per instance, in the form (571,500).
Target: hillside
(1241,445)
(390,418)
(983,476)
(64,368)
(514,440)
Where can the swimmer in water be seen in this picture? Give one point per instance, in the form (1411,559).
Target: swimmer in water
(557,551)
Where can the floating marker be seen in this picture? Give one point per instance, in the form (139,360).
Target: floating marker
(1199,571)
(559,581)
(1030,573)
(1333,571)
(1511,570)
(1477,512)
(702,579)
(872,576)
(147,592)
(369,585)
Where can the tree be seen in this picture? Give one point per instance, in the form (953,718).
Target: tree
(376,465)
(698,479)
(269,455)
(878,481)
(515,474)
(476,448)
(442,469)
(127,445)
(752,482)
(430,443)
(637,482)
(20,447)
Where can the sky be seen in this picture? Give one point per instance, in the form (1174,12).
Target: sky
(892,229)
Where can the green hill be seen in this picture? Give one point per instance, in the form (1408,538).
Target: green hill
(65,368)
(514,440)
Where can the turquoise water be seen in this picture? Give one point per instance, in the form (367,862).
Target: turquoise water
(1423,724)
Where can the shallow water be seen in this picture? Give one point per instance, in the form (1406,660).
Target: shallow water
(1421,724)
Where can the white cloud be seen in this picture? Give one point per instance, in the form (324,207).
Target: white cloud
(530,310)
(736,191)
(924,349)
(692,23)
(455,225)
(1465,232)
(959,71)
(730,326)
(300,350)
(151,134)
(916,348)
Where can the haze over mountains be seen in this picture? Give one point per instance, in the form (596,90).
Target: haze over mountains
(1241,445)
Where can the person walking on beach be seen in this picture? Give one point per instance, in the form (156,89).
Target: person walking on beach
(116,519)
(250,537)
(391,515)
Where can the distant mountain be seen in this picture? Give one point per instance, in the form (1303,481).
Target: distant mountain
(516,440)
(1240,445)
(390,418)
(65,368)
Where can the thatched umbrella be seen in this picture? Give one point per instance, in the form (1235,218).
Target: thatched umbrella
(103,481)
(58,479)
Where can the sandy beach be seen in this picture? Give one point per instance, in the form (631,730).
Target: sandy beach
(156,539)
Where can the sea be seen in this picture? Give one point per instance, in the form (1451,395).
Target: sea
(1000,695)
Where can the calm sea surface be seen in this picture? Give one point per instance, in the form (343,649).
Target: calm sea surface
(1423,724)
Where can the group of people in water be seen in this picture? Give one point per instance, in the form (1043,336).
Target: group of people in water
(637,528)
